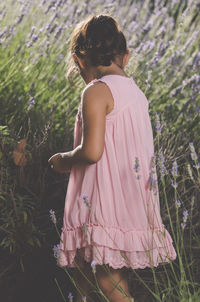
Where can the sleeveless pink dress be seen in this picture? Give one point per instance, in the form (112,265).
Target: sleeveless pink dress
(119,222)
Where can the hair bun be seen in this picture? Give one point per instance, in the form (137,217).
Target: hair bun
(99,39)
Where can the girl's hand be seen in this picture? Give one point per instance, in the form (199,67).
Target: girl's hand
(59,163)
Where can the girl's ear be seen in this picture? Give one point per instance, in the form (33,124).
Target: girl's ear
(126,58)
(78,61)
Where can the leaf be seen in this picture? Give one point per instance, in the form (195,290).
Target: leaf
(37,242)
(30,241)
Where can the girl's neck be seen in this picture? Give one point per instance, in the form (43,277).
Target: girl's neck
(100,71)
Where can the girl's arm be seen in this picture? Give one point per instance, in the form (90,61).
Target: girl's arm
(94,108)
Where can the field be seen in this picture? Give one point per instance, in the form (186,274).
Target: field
(38,106)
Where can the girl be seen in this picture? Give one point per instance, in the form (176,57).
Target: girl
(112,213)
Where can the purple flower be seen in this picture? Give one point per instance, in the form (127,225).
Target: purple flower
(161,164)
(58,32)
(183,225)
(136,166)
(48,26)
(53,216)
(152,181)
(33,28)
(185,217)
(193,153)
(60,57)
(174,184)
(85,198)
(157,123)
(185,214)
(56,251)
(70,297)
(34,37)
(93,266)
(19,19)
(84,299)
(31,102)
(174,169)
(190,171)
(178,203)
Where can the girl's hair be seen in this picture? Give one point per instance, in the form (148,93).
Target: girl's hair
(98,39)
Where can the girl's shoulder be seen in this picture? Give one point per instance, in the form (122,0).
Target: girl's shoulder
(96,88)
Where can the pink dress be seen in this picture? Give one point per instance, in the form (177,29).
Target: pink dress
(111,214)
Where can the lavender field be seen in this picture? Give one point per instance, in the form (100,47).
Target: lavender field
(37,114)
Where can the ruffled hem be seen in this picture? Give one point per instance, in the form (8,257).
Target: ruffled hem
(116,247)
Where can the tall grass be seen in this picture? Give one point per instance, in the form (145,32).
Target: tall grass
(38,104)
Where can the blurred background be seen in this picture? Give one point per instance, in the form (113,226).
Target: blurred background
(38,106)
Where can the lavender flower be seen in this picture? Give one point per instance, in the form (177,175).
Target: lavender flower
(193,153)
(70,297)
(31,102)
(34,37)
(84,299)
(56,251)
(174,184)
(93,266)
(162,164)
(19,18)
(183,225)
(53,216)
(33,28)
(152,181)
(178,203)
(60,57)
(137,166)
(190,171)
(157,123)
(174,169)
(85,198)
(55,76)
(185,217)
